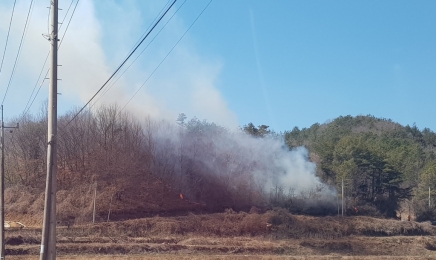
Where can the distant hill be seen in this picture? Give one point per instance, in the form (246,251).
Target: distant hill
(381,162)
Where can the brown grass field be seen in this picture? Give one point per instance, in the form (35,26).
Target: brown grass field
(271,235)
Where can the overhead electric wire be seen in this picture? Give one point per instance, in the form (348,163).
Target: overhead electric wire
(166,56)
(66,14)
(120,66)
(26,109)
(19,51)
(145,32)
(69,21)
(154,20)
(113,83)
(7,37)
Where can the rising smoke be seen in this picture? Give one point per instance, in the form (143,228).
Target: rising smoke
(208,163)
(98,39)
(241,168)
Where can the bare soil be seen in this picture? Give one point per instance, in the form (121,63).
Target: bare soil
(271,235)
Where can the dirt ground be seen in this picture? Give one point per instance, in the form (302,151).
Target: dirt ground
(272,235)
(224,257)
(193,248)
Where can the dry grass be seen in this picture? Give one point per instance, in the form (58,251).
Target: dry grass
(233,235)
(284,225)
(399,246)
(224,257)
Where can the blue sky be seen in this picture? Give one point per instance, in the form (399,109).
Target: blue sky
(281,63)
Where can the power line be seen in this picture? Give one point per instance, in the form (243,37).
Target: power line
(154,20)
(120,66)
(69,21)
(166,55)
(19,51)
(113,83)
(66,14)
(7,37)
(27,108)
(145,32)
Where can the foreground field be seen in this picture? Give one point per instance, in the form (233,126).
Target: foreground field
(241,247)
(227,257)
(272,235)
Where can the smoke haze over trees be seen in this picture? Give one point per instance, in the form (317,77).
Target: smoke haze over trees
(148,166)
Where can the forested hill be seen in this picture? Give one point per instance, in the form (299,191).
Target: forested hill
(140,167)
(382,163)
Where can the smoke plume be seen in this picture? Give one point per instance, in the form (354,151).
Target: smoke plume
(238,166)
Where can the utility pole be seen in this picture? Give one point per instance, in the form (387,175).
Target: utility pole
(48,241)
(95,196)
(110,206)
(2,188)
(342,197)
(429,198)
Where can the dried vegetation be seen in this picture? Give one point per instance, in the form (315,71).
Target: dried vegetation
(273,233)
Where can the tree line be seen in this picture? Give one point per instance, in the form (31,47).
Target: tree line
(136,165)
(148,165)
(386,167)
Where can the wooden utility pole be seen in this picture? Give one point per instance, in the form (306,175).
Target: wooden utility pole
(95,196)
(110,206)
(429,198)
(2,188)
(342,197)
(48,242)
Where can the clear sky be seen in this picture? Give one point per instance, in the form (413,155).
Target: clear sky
(281,63)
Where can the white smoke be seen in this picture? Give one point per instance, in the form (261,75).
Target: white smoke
(237,160)
(99,37)
(290,169)
(97,41)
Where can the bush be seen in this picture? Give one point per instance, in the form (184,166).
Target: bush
(279,216)
(423,213)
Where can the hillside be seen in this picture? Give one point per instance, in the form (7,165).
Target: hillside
(140,168)
(381,162)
